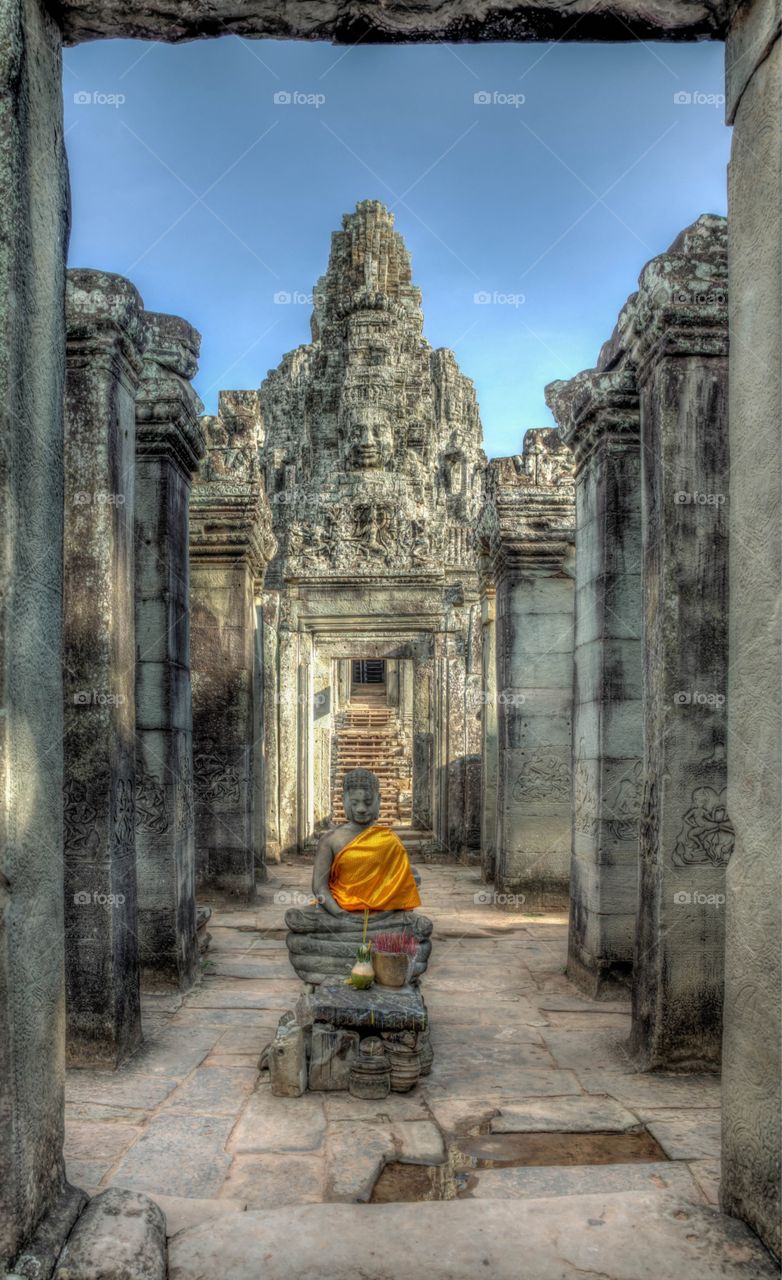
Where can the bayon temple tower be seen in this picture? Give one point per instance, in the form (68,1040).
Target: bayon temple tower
(369,449)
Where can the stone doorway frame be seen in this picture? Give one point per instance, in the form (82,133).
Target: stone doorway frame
(35,218)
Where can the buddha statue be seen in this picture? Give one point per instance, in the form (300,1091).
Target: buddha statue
(360,867)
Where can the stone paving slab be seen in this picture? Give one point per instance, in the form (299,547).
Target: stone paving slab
(689,1135)
(214,1091)
(182,1212)
(180,1155)
(641,1235)
(267,1181)
(169,1053)
(285,1125)
(574,1180)
(565,1115)
(128,1090)
(652,1090)
(355,1155)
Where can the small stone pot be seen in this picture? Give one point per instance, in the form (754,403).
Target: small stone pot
(369,1076)
(405,1067)
(391,967)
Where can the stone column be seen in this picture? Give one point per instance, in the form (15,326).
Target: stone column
(288,729)
(598,415)
(105,339)
(33,241)
(169,446)
(752,1075)
(530,519)
(230,545)
(679,343)
(489,752)
(271,742)
(423,735)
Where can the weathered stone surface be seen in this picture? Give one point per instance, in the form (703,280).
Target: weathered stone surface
(180,1155)
(565,1115)
(266,1181)
(355,1155)
(585,1179)
(598,415)
(442,20)
(562,1239)
(288,1059)
(120,1236)
(34,218)
(331,1055)
(230,544)
(676,333)
(526,533)
(169,445)
(271,1124)
(105,341)
(752,1063)
(384,1009)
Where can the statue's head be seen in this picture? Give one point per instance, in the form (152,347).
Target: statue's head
(361,796)
(367,440)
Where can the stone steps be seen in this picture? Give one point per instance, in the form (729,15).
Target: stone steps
(371,738)
(622,1235)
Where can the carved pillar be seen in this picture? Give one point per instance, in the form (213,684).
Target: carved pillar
(751,1069)
(598,415)
(489,745)
(529,519)
(33,242)
(680,343)
(230,545)
(105,339)
(423,735)
(271,740)
(169,446)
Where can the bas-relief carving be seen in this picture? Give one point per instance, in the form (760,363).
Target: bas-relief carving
(707,836)
(151,804)
(544,775)
(623,803)
(81,820)
(214,777)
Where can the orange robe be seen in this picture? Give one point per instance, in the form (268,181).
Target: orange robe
(373,870)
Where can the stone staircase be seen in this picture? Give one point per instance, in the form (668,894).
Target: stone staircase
(369,736)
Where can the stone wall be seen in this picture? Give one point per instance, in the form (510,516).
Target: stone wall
(527,534)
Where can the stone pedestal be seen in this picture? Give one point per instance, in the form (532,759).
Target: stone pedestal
(105,339)
(230,544)
(169,445)
(529,525)
(752,1072)
(679,341)
(598,415)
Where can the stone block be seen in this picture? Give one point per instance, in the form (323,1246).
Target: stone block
(288,1059)
(331,1055)
(121,1234)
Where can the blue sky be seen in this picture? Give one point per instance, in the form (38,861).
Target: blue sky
(189,178)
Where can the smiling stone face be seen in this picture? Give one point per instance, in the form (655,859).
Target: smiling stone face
(361,797)
(367,441)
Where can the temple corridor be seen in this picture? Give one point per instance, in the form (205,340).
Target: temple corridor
(520,1057)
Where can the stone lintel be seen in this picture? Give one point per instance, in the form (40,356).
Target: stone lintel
(596,408)
(104,324)
(392,22)
(535,530)
(228,529)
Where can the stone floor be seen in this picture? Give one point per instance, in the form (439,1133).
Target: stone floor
(520,1057)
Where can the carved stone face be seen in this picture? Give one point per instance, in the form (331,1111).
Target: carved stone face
(362,805)
(367,441)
